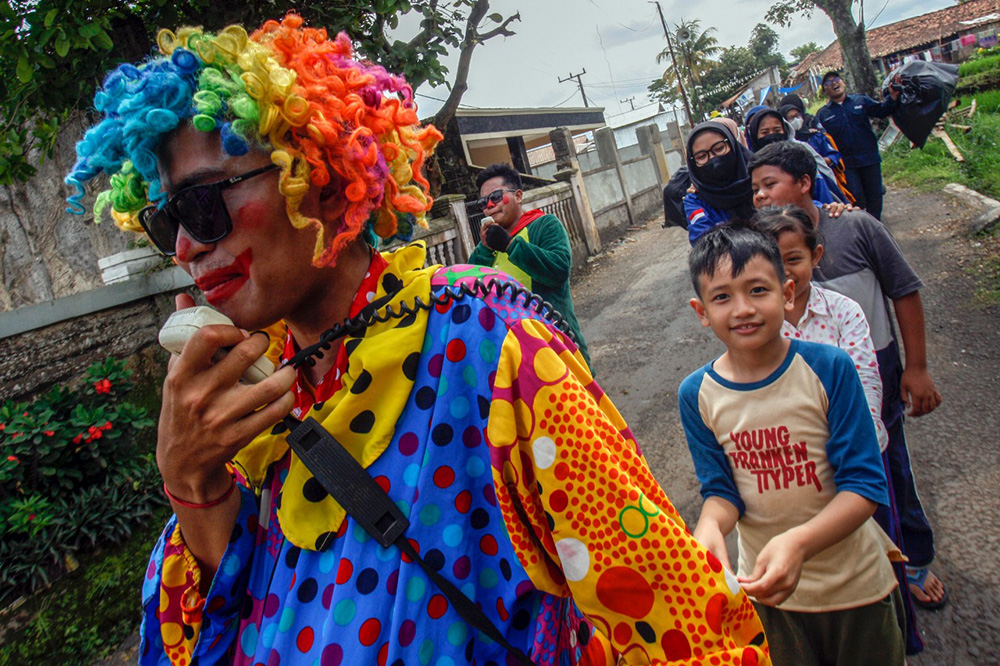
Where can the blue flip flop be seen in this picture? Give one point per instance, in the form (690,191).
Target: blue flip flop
(918,576)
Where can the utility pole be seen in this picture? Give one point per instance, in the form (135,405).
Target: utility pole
(677,73)
(630,101)
(579,83)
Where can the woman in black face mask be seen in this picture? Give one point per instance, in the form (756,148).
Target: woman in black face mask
(766,126)
(718,166)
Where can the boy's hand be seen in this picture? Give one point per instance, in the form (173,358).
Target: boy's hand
(714,541)
(776,572)
(833,210)
(918,391)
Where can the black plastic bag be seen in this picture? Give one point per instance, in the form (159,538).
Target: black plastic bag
(926,89)
(673,198)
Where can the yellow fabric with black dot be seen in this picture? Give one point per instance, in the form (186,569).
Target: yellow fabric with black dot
(362,422)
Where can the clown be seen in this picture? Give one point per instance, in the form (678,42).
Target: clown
(269,165)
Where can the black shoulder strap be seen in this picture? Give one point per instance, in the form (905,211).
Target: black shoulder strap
(365,501)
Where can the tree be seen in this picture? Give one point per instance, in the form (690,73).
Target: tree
(800,52)
(471,39)
(763,46)
(850,34)
(738,64)
(58,50)
(693,48)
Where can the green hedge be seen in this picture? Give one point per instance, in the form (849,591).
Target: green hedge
(979,65)
(75,474)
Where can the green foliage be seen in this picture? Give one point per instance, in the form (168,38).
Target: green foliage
(72,475)
(982,64)
(89,612)
(934,166)
(739,63)
(57,51)
(693,51)
(799,53)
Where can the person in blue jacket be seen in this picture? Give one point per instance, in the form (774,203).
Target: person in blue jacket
(808,129)
(846,117)
(717,162)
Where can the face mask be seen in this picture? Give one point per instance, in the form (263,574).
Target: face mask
(718,171)
(796,123)
(769,139)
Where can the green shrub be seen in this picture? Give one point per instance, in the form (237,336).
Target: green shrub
(89,612)
(984,64)
(73,475)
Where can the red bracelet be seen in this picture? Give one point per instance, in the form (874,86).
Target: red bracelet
(206,505)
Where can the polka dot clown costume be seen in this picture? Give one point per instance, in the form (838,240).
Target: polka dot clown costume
(479,418)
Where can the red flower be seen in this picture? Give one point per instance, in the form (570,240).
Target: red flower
(103,386)
(31,517)
(3,426)
(95,432)
(49,433)
(25,414)
(106,426)
(12,458)
(78,438)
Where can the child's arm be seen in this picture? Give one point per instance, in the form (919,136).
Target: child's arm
(717,520)
(916,386)
(723,504)
(779,564)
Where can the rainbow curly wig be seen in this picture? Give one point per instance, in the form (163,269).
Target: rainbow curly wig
(325,117)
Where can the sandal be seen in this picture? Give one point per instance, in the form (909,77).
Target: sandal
(918,577)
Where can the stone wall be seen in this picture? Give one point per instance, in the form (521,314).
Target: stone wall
(33,361)
(45,252)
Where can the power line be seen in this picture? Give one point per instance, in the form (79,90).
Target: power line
(444,101)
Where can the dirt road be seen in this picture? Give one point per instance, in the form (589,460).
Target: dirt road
(644,339)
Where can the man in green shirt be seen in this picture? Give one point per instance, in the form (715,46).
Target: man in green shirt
(531,246)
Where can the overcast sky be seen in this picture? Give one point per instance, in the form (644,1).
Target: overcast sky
(616,41)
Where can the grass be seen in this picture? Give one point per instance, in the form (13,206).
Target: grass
(971,67)
(986,268)
(86,614)
(933,167)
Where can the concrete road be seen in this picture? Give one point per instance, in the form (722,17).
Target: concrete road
(644,339)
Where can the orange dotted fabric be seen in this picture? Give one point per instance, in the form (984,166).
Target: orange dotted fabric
(588,520)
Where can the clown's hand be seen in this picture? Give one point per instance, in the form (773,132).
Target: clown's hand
(497,238)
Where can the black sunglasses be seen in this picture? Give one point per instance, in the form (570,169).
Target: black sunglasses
(493,197)
(200,209)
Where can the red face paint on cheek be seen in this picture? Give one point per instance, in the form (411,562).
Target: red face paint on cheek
(505,200)
(253,215)
(183,248)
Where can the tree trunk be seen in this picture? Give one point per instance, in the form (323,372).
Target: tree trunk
(853,47)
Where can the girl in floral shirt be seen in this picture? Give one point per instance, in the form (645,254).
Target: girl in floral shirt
(821,315)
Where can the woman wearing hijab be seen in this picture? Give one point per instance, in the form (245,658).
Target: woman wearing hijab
(718,167)
(809,130)
(766,126)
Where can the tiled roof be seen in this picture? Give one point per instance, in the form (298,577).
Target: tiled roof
(914,32)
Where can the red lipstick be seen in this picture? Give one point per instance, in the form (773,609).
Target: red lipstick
(222,283)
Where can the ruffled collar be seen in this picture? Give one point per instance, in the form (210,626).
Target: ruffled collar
(362,413)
